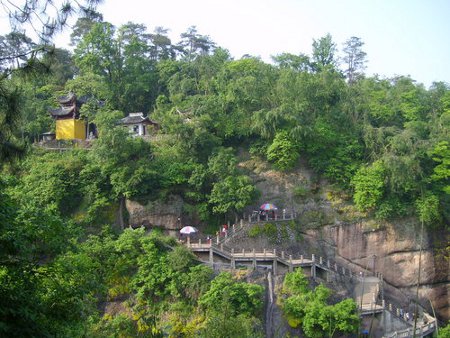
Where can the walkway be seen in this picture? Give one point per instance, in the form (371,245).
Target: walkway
(366,293)
(368,287)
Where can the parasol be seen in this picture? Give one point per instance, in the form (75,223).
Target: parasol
(187,230)
(268,206)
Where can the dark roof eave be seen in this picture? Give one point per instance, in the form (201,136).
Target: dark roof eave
(136,120)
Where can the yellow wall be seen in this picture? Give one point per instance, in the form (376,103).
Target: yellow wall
(70,129)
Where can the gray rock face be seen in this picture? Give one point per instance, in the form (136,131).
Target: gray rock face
(331,227)
(164,214)
(394,254)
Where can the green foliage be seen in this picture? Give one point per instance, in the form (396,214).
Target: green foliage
(210,107)
(444,332)
(428,209)
(221,325)
(324,50)
(233,193)
(300,191)
(268,230)
(196,281)
(125,161)
(389,208)
(52,179)
(369,186)
(295,283)
(234,297)
(283,152)
(441,172)
(309,308)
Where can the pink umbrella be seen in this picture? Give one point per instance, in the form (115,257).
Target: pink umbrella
(268,206)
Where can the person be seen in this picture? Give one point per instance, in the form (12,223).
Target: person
(407,316)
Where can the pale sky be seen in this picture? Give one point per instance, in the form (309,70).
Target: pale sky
(402,37)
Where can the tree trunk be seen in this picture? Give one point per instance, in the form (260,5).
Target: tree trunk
(121,206)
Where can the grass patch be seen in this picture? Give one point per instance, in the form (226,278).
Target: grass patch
(267,229)
(300,192)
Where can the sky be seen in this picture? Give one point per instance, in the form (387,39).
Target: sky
(402,37)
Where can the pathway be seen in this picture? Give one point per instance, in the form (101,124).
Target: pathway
(368,287)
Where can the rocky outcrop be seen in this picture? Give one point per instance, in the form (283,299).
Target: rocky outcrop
(166,214)
(397,255)
(330,226)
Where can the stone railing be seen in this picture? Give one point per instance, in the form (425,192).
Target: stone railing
(421,331)
(268,216)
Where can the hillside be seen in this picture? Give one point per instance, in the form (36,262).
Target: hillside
(328,225)
(131,132)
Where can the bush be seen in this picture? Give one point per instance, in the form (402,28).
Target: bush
(283,152)
(300,191)
(369,186)
(268,229)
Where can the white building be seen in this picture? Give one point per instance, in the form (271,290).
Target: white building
(138,124)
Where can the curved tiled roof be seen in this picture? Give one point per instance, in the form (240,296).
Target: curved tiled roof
(66,99)
(63,111)
(136,118)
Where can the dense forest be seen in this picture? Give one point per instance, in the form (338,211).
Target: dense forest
(384,142)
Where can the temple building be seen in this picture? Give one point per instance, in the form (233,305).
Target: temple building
(69,125)
(139,125)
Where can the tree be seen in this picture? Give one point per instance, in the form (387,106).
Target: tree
(124,161)
(355,58)
(138,79)
(428,209)
(369,185)
(15,49)
(98,52)
(83,26)
(230,191)
(10,147)
(441,172)
(300,63)
(43,16)
(193,44)
(309,308)
(284,151)
(61,67)
(238,297)
(324,53)
(162,48)
(233,193)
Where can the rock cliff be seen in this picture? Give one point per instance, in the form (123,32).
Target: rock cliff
(328,225)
